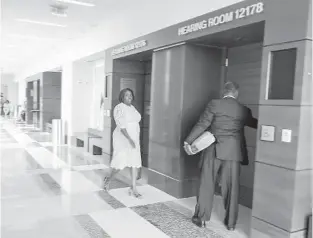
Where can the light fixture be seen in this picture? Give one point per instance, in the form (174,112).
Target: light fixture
(40,22)
(11,46)
(31,37)
(58,14)
(10,59)
(58,10)
(78,2)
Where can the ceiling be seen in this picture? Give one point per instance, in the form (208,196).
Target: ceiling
(28,48)
(20,40)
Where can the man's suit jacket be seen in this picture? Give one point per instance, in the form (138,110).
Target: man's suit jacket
(225,118)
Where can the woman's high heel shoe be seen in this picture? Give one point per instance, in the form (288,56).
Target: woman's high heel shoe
(133,193)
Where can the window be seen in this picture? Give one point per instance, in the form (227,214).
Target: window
(282,74)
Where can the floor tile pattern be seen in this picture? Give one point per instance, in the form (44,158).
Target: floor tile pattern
(171,222)
(110,199)
(50,191)
(40,136)
(91,227)
(53,186)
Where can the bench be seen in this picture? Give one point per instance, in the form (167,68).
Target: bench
(84,139)
(96,143)
(95,146)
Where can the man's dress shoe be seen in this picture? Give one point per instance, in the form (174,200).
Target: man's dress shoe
(198,222)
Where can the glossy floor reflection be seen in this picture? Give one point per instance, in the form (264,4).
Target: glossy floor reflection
(56,192)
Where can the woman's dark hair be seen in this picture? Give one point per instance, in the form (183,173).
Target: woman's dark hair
(122,93)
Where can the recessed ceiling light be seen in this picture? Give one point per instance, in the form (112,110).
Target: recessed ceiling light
(78,2)
(10,59)
(11,46)
(40,22)
(31,37)
(58,10)
(58,13)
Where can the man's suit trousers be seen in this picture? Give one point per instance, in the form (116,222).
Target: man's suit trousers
(227,172)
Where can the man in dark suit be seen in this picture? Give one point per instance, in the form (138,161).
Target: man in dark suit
(225,118)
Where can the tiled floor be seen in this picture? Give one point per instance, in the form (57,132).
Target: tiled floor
(56,192)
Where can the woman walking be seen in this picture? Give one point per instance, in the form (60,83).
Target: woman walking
(126,143)
(7,109)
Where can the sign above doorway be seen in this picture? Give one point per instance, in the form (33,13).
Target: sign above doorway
(130,47)
(237,14)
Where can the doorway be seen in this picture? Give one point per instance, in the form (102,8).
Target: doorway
(134,72)
(242,49)
(244,68)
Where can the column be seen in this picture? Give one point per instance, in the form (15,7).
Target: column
(50,98)
(184,79)
(76,97)
(283,171)
(29,105)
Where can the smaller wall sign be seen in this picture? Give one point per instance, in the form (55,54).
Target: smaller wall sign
(147,110)
(107,113)
(130,47)
(286,135)
(267,133)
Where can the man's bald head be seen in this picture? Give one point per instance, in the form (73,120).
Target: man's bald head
(231,89)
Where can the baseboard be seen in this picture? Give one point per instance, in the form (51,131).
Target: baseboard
(176,188)
(270,230)
(246,196)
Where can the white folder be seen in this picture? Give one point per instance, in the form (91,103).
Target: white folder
(203,141)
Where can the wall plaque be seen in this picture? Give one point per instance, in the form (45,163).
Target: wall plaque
(147,110)
(107,113)
(286,135)
(267,133)
(128,83)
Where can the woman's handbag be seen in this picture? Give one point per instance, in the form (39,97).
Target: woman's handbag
(203,141)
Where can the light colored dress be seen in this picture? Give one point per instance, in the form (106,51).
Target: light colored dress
(6,108)
(124,155)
